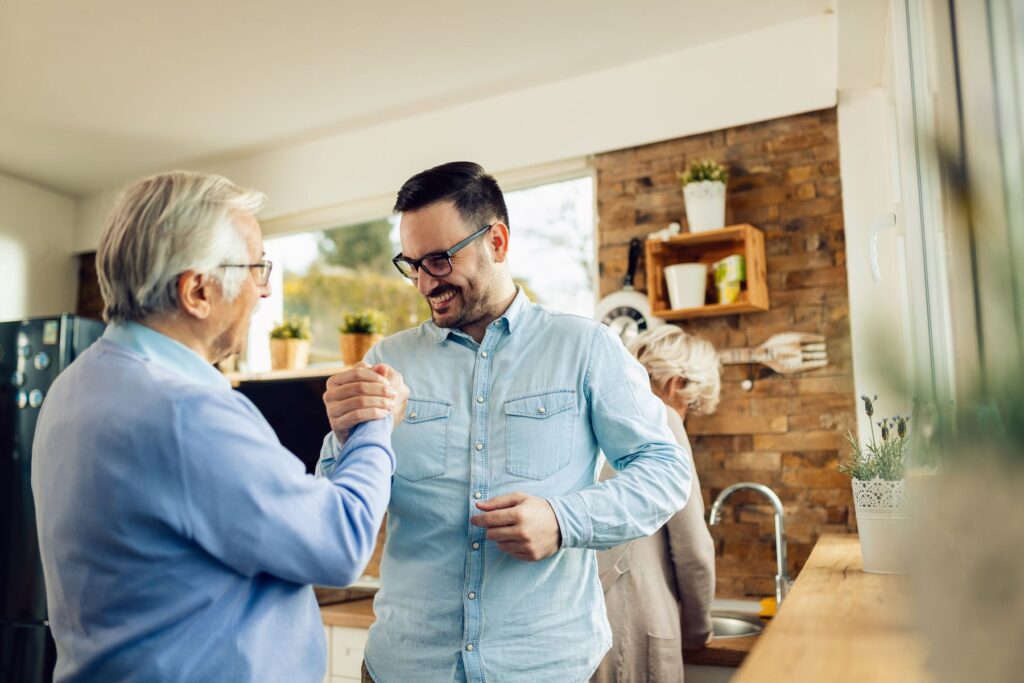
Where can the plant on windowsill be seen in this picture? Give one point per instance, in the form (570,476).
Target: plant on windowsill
(359,332)
(289,344)
(877,470)
(704,193)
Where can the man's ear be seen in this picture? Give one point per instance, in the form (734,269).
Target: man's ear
(194,293)
(498,238)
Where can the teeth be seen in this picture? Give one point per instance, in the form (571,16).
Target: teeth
(444,298)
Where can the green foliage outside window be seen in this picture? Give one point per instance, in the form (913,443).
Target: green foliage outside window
(325,294)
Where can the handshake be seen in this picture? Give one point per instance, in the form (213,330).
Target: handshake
(360,394)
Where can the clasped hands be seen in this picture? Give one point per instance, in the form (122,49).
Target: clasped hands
(363,393)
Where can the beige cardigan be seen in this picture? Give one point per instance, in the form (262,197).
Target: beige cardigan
(658,592)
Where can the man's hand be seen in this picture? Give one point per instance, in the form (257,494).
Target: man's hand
(360,394)
(524,526)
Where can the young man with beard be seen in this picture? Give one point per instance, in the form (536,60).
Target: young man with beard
(488,572)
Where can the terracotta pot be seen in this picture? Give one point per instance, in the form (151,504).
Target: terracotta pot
(355,345)
(289,354)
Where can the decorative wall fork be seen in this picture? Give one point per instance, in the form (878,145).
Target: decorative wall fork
(785,353)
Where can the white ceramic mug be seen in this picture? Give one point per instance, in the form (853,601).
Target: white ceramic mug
(686,283)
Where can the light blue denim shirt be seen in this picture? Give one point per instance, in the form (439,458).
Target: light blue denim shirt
(525,410)
(178,536)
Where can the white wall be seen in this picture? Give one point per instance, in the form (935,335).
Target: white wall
(37,269)
(774,72)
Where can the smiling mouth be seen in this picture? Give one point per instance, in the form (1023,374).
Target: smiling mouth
(441,301)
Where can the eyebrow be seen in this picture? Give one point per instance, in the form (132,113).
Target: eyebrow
(442,252)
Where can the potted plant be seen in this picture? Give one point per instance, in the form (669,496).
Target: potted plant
(879,492)
(359,332)
(289,344)
(704,193)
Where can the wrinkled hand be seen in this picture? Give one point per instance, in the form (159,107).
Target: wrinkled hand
(524,526)
(360,394)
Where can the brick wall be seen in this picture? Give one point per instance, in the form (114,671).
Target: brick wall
(787,432)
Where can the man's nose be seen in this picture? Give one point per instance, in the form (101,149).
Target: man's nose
(425,282)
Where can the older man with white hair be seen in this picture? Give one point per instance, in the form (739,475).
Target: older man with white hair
(178,536)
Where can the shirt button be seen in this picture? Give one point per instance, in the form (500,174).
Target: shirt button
(483,354)
(541,410)
(479,446)
(477,495)
(472,595)
(469,647)
(412,416)
(476,546)
(479,399)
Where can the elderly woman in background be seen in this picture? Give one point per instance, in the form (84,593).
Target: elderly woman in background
(658,589)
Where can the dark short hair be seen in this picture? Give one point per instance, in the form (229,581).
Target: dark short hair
(476,194)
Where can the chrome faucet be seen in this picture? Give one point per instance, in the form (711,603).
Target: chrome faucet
(782,580)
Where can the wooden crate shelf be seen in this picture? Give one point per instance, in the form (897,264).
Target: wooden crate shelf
(708,247)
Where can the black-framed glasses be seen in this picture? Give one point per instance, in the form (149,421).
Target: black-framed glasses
(262,273)
(437,264)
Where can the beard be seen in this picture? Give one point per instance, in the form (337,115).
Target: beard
(467,306)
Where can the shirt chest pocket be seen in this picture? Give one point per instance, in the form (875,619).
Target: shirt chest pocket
(539,432)
(421,440)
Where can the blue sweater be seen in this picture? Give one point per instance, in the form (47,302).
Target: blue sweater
(179,538)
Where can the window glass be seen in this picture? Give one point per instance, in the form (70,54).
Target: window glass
(326,274)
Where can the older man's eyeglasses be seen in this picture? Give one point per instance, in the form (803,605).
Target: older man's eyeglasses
(438,264)
(262,274)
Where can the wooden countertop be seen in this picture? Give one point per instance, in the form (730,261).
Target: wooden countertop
(354,614)
(839,624)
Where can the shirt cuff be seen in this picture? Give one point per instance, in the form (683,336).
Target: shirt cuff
(573,520)
(332,453)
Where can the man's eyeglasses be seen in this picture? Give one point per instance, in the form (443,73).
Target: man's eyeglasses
(438,264)
(262,274)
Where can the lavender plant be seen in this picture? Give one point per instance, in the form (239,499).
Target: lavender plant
(885,459)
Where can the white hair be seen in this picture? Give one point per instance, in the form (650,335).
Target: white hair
(668,352)
(164,225)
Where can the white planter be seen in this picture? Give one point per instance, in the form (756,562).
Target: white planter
(883,524)
(705,205)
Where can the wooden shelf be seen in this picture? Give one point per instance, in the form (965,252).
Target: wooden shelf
(708,247)
(311,372)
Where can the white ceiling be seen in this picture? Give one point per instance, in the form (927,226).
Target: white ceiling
(93,92)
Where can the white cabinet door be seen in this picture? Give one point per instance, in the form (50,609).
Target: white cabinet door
(346,656)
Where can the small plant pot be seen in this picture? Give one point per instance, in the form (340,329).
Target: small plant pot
(705,205)
(883,525)
(289,354)
(355,345)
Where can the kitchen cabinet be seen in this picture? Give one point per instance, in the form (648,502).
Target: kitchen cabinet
(345,658)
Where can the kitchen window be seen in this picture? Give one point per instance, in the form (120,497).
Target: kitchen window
(326,273)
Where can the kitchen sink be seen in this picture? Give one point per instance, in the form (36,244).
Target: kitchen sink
(735,625)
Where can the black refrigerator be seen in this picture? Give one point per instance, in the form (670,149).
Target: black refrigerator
(32,353)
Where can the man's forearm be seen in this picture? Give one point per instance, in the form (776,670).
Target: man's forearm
(650,489)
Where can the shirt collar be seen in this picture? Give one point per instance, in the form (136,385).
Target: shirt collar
(512,317)
(165,352)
